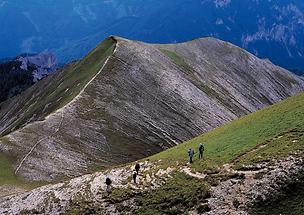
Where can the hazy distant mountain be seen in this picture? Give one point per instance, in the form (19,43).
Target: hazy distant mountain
(269,29)
(20,73)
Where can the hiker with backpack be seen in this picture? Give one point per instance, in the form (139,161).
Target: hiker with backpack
(191,154)
(201,149)
(134,177)
(108,183)
(137,167)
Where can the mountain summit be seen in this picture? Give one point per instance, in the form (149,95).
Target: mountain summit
(127,99)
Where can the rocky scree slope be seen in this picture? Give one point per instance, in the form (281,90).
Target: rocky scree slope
(262,157)
(126,100)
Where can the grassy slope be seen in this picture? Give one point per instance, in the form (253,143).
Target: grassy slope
(55,95)
(8,177)
(7,174)
(279,127)
(230,141)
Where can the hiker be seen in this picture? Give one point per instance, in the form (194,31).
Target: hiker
(137,167)
(108,183)
(201,149)
(134,177)
(191,154)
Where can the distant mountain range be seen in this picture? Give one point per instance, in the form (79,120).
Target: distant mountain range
(269,29)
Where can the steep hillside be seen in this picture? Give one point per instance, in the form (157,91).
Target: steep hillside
(250,165)
(126,100)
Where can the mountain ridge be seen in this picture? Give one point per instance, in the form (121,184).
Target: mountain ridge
(145,99)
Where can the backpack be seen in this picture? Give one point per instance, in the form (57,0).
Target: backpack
(108,181)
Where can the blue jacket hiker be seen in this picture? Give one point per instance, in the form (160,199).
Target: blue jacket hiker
(191,154)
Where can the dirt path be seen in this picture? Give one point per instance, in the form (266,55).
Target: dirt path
(188,171)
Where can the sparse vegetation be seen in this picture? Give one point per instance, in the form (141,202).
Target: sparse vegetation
(178,60)
(7,175)
(177,196)
(215,179)
(83,207)
(119,195)
(54,96)
(289,201)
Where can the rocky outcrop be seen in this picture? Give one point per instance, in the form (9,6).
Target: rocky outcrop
(237,196)
(43,63)
(139,99)
(88,193)
(22,72)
